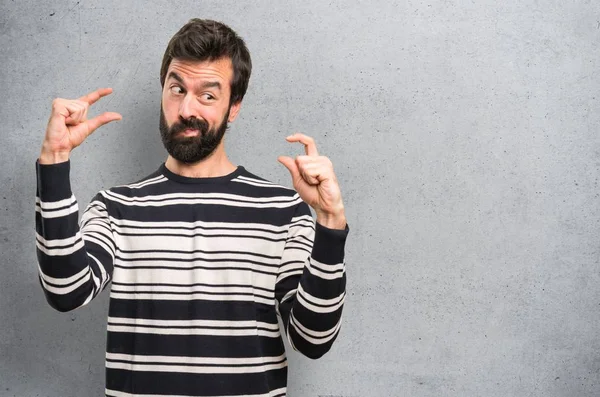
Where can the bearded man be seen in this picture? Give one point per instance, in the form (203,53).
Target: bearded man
(203,256)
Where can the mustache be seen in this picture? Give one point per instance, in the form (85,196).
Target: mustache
(192,123)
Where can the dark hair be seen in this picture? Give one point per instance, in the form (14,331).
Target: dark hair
(207,40)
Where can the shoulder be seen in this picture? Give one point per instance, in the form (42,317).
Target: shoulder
(287,199)
(148,185)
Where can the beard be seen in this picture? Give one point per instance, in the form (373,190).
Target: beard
(191,149)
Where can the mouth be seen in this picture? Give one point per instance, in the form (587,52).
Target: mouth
(189,132)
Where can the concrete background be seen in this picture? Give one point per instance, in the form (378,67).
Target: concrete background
(465,138)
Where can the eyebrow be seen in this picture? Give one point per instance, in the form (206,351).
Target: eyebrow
(210,84)
(201,86)
(175,76)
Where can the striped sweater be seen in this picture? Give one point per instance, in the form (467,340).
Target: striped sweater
(201,269)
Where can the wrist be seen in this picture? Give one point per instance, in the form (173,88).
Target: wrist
(335,220)
(52,157)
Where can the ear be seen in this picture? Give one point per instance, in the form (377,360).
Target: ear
(233,111)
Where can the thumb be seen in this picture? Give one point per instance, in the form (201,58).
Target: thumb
(290,164)
(99,121)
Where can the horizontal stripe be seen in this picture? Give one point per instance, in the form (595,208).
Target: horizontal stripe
(320,301)
(214,202)
(193,323)
(316,308)
(292,266)
(318,334)
(63,290)
(230,233)
(201,198)
(296,242)
(256,182)
(60,251)
(196,361)
(217,291)
(193,331)
(202,255)
(218,270)
(124,224)
(195,345)
(183,277)
(191,296)
(63,281)
(246,178)
(196,384)
(305,220)
(192,288)
(58,242)
(281,392)
(278,217)
(181,196)
(327,268)
(54,205)
(57,228)
(187,261)
(49,214)
(148,182)
(264,251)
(106,244)
(252,183)
(192,310)
(308,335)
(315,268)
(193,369)
(292,273)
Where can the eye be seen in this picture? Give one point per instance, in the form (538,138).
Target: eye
(208,97)
(177,90)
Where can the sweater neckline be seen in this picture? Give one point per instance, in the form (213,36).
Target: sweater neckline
(208,180)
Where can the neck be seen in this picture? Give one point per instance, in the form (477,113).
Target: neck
(215,165)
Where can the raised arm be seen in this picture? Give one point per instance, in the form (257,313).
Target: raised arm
(75,261)
(311,284)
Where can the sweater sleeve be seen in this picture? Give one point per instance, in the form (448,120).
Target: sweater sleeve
(75,260)
(311,284)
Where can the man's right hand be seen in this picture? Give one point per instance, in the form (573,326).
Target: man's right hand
(68,126)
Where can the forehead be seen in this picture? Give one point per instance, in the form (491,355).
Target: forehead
(217,70)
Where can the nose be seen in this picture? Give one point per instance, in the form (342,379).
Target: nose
(187,108)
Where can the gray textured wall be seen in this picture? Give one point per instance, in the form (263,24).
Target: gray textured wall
(465,136)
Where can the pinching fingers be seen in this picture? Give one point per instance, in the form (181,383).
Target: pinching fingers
(77,112)
(314,170)
(93,96)
(102,119)
(310,146)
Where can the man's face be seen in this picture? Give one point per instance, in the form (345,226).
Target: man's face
(195,108)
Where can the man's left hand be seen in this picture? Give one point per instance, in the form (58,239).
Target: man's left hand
(315,182)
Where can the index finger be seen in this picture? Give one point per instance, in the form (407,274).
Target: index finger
(92,97)
(309,143)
